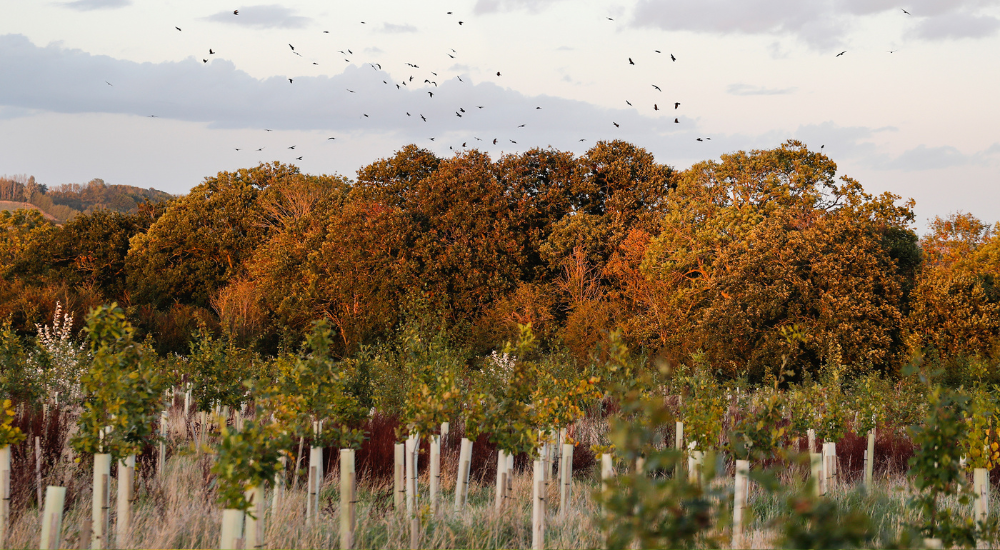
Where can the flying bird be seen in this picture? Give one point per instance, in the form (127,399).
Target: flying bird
(459,79)
(657,51)
(236,12)
(108,83)
(408,114)
(458,114)
(432,139)
(498,73)
(298,158)
(672,58)
(630,62)
(841,53)
(655,107)
(366,116)
(616,125)
(292,147)
(629,102)
(204,61)
(697,139)
(610,19)
(460,22)
(676,121)
(422,117)
(267,130)
(349,90)
(521,126)
(289,80)
(178,28)
(463,144)
(657,88)
(328,139)
(536,108)
(494,141)
(514,142)
(292,47)
(904,11)
(431,94)
(210,52)
(676,105)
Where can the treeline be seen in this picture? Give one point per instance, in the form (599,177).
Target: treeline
(728,258)
(64,202)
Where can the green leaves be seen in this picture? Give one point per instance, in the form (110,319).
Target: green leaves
(247,458)
(312,388)
(122,388)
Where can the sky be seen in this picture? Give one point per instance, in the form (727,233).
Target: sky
(112,89)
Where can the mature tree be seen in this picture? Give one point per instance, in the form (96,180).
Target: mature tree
(956,303)
(769,239)
(202,240)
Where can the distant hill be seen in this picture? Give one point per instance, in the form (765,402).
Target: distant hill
(62,202)
(12,205)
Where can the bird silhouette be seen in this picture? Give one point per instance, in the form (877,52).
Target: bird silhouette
(610,19)
(458,114)
(292,47)
(629,102)
(292,147)
(494,141)
(178,28)
(236,12)
(616,125)
(459,79)
(366,116)
(461,109)
(204,61)
(289,80)
(328,139)
(210,52)
(672,58)
(514,142)
(108,83)
(498,73)
(350,90)
(521,126)
(408,114)
(904,11)
(677,121)
(298,158)
(630,62)
(657,88)
(461,22)
(841,53)
(537,108)
(237,148)
(268,130)
(583,140)
(697,139)
(655,108)
(432,139)
(676,105)
(463,144)
(431,94)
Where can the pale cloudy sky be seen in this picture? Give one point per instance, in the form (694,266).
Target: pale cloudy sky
(80,79)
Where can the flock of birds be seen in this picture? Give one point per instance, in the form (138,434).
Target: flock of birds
(461,111)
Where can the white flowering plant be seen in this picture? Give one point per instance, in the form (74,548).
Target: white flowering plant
(59,360)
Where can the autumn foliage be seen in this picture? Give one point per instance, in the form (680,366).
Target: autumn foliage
(717,259)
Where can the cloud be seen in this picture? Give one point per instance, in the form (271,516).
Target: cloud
(221,96)
(271,16)
(822,24)
(957,25)
(923,157)
(746,89)
(395,29)
(88,5)
(493,6)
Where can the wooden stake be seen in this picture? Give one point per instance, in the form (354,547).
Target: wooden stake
(55,499)
(38,470)
(445,429)
(679,446)
(346,498)
(870,461)
(695,461)
(812,440)
(412,450)
(399,491)
(4,494)
(538,506)
(162,456)
(607,470)
(740,500)
(316,485)
(101,500)
(435,475)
